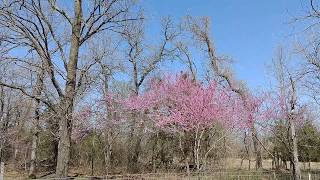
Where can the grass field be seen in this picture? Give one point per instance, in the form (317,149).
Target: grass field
(235,163)
(231,171)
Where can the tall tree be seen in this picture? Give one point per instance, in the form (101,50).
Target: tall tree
(143,61)
(37,91)
(288,103)
(292,119)
(30,27)
(200,29)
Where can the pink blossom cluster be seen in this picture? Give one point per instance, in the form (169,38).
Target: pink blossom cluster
(183,103)
(82,124)
(103,114)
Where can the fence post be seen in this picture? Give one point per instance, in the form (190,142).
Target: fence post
(1,171)
(309,176)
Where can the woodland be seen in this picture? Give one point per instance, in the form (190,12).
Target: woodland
(85,90)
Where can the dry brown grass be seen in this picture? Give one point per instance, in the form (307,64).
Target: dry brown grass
(235,163)
(231,165)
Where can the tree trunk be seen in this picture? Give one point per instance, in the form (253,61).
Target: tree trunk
(155,139)
(107,158)
(63,147)
(33,159)
(186,155)
(197,148)
(295,162)
(256,147)
(108,135)
(1,170)
(92,153)
(134,140)
(2,123)
(277,161)
(187,166)
(108,151)
(37,92)
(134,148)
(65,121)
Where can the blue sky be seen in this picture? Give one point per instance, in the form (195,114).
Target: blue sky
(248,31)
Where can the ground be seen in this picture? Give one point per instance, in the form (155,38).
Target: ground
(233,172)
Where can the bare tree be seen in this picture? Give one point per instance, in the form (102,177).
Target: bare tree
(309,49)
(143,62)
(37,91)
(292,114)
(185,56)
(109,63)
(288,90)
(200,29)
(31,25)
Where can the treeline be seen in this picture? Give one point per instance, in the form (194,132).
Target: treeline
(308,143)
(100,142)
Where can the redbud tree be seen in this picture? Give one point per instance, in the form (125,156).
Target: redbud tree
(184,106)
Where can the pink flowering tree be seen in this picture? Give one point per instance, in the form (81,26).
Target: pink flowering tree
(177,105)
(83,123)
(183,106)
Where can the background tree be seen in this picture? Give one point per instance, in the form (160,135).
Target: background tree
(200,29)
(143,61)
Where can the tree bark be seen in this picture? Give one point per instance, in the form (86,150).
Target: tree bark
(65,121)
(64,144)
(295,159)
(108,135)
(256,147)
(186,155)
(37,92)
(134,148)
(295,162)
(134,140)
(1,122)
(108,152)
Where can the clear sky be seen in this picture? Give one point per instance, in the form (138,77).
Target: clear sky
(248,31)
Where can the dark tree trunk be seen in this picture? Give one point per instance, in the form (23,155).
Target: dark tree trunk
(256,147)
(1,122)
(134,140)
(64,147)
(134,148)
(65,123)
(37,92)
